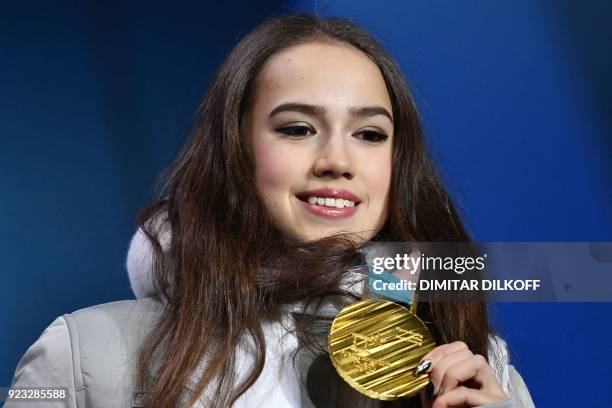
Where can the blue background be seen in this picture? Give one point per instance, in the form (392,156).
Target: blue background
(96,98)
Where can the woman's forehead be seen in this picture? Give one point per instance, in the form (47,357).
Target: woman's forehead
(326,74)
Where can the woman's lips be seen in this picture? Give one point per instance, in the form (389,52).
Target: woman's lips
(331,193)
(329,212)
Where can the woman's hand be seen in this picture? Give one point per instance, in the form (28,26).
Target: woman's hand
(460,378)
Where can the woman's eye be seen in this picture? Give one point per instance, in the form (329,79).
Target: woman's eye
(296,130)
(372,136)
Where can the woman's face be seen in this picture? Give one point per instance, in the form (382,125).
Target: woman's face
(321,131)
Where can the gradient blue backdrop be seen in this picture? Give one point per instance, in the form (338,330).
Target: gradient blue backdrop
(515,98)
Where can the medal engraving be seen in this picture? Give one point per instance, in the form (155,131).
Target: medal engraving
(375,346)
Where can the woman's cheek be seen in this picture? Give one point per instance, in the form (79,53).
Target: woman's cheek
(377,174)
(276,174)
(274,171)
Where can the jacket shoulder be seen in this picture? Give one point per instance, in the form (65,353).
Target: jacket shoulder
(106,339)
(124,316)
(93,352)
(511,381)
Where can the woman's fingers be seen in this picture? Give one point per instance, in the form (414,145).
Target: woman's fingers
(440,352)
(462,397)
(453,366)
(474,367)
(448,362)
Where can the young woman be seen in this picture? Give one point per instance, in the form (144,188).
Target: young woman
(307,145)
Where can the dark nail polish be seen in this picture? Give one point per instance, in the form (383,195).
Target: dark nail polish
(429,391)
(423,367)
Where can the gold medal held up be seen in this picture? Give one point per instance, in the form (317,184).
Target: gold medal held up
(375,345)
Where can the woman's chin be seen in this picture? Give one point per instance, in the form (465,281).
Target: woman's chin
(358,237)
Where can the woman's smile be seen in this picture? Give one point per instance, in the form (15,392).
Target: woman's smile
(330,203)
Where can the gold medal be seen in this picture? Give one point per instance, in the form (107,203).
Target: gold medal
(375,345)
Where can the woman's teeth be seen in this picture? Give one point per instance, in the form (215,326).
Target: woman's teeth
(331,202)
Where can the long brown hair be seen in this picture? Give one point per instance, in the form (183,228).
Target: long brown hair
(227,267)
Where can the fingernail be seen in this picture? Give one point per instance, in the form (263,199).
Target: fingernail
(429,391)
(422,367)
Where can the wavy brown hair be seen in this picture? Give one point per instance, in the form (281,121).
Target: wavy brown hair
(226,267)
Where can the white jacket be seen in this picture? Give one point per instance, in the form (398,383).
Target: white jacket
(93,353)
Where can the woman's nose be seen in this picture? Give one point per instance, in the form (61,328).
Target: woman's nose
(334,159)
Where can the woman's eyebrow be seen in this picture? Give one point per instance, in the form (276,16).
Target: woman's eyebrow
(360,111)
(366,111)
(299,107)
